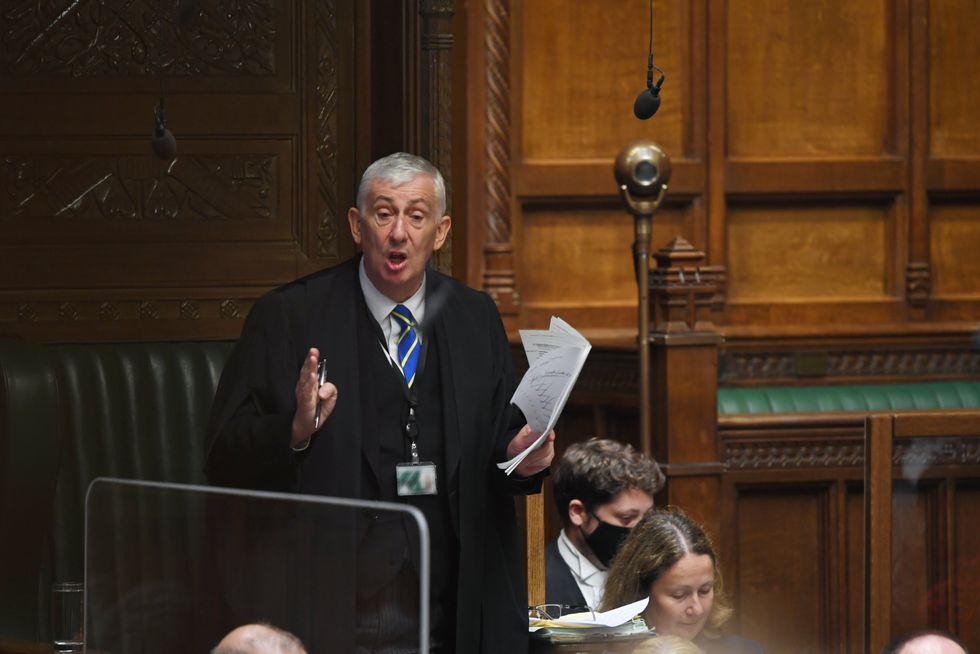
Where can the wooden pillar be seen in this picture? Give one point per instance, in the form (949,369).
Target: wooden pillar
(684,380)
(436,100)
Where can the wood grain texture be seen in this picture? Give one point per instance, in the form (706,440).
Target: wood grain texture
(584,63)
(780,253)
(583,257)
(954,242)
(781,549)
(954,79)
(788,92)
(965,573)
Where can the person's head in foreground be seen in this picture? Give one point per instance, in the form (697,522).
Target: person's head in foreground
(668,558)
(259,638)
(925,642)
(668,645)
(602,488)
(400,221)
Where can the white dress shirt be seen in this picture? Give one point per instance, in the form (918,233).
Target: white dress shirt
(589,579)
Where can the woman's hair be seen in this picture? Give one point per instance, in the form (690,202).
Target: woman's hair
(653,546)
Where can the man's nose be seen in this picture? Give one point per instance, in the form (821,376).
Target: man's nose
(398,232)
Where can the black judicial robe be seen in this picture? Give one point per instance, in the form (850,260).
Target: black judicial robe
(252,415)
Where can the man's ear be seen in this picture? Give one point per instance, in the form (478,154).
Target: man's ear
(354,220)
(442,231)
(578,515)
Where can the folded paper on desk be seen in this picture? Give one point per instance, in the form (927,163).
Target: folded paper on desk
(555,358)
(617,622)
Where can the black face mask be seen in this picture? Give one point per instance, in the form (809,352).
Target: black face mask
(606,540)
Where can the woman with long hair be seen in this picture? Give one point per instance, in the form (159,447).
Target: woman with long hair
(668,558)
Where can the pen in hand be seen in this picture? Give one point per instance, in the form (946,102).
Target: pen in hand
(321,379)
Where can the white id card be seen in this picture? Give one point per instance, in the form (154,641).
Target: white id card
(415,478)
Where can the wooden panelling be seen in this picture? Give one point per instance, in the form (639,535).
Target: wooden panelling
(98,236)
(954,241)
(954,79)
(582,72)
(965,574)
(583,258)
(852,629)
(787,94)
(782,530)
(912,560)
(779,253)
(808,79)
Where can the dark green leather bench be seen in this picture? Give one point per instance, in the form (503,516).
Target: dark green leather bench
(853,397)
(73,412)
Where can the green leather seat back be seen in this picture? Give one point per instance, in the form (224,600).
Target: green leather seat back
(852,397)
(130,410)
(30,453)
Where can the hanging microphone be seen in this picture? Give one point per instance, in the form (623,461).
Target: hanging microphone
(164,144)
(648,101)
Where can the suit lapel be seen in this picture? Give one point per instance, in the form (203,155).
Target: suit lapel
(335,328)
(438,308)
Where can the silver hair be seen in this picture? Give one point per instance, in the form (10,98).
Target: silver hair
(400,168)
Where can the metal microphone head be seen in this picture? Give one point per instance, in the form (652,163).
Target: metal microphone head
(643,168)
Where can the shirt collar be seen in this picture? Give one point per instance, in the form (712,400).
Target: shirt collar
(578,563)
(380,305)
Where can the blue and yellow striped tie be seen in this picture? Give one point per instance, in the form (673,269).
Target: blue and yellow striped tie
(409,343)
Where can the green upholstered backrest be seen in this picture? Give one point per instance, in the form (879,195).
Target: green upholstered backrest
(854,397)
(30,452)
(130,410)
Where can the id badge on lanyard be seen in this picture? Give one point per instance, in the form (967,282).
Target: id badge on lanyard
(414,477)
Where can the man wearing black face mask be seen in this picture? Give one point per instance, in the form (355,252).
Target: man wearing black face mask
(601,488)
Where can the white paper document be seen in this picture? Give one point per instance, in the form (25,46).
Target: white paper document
(612,618)
(555,358)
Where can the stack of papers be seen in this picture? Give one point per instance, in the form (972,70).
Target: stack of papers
(555,358)
(582,626)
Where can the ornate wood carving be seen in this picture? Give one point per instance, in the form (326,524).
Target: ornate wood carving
(756,455)
(918,283)
(214,187)
(436,100)
(682,290)
(325,95)
(498,252)
(94,38)
(735,366)
(911,455)
(123,309)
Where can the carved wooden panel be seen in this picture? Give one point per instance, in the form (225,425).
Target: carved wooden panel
(100,239)
(785,531)
(954,79)
(788,92)
(92,39)
(583,64)
(842,365)
(196,188)
(784,254)
(954,243)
